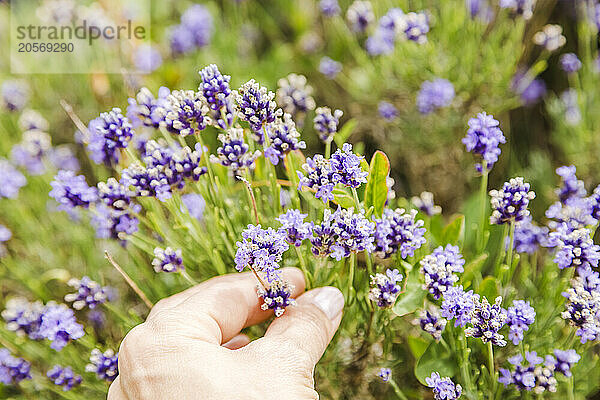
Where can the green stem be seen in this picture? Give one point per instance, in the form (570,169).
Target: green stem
(356,201)
(397,390)
(351,277)
(492,369)
(328,149)
(188,278)
(571,388)
(294,179)
(509,257)
(483,205)
(307,275)
(464,367)
(211,175)
(271,171)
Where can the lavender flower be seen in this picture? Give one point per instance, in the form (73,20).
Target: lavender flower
(88,293)
(13,370)
(11,180)
(63,157)
(570,63)
(30,153)
(385,374)
(186,112)
(326,123)
(147,58)
(261,250)
(59,325)
(571,186)
(483,139)
(218,95)
(283,138)
(181,40)
(347,167)
(330,8)
(23,318)
(565,360)
(108,133)
(575,214)
(360,15)
(72,191)
(147,182)
(31,119)
(583,305)
(431,322)
(531,90)
(519,7)
(234,152)
(443,388)
(64,377)
(256,106)
(417,26)
(115,224)
(115,194)
(387,111)
(330,68)
(487,320)
(297,230)
(529,237)
(459,304)
(198,20)
(533,376)
(277,297)
(398,231)
(425,203)
(294,96)
(434,94)
(570,104)
(341,233)
(439,269)
(194,205)
(15,94)
(147,110)
(519,316)
(385,289)
(167,260)
(104,365)
(510,203)
(574,248)
(550,37)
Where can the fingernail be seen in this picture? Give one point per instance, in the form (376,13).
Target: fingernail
(330,300)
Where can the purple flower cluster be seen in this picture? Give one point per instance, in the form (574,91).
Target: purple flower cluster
(570,63)
(583,305)
(519,316)
(11,180)
(486,320)
(326,123)
(283,138)
(387,110)
(88,293)
(417,27)
(389,27)
(167,260)
(194,204)
(58,324)
(431,322)
(424,202)
(570,103)
(483,139)
(256,106)
(530,90)
(215,89)
(147,110)
(31,119)
(564,360)
(360,15)
(113,223)
(574,248)
(233,153)
(12,369)
(434,94)
(104,365)
(459,304)
(185,112)
(510,203)
(571,186)
(330,68)
(23,317)
(398,230)
(519,7)
(443,388)
(64,377)
(575,214)
(341,233)
(330,8)
(115,194)
(194,31)
(439,269)
(261,250)
(15,94)
(147,58)
(276,297)
(385,289)
(529,237)
(32,151)
(72,191)
(385,374)
(109,132)
(296,229)
(294,96)
(550,37)
(536,375)
(63,157)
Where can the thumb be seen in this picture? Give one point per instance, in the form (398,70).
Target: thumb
(308,327)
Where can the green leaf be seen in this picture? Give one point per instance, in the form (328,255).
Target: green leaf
(474,265)
(377,190)
(344,133)
(488,288)
(297,159)
(413,296)
(342,198)
(417,346)
(435,359)
(454,232)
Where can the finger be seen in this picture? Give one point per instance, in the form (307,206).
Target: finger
(310,325)
(218,309)
(237,342)
(115,392)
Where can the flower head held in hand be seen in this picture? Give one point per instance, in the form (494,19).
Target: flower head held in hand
(483,139)
(167,260)
(396,231)
(276,297)
(385,289)
(440,268)
(510,203)
(443,388)
(261,250)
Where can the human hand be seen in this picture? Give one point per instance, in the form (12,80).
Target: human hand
(190,346)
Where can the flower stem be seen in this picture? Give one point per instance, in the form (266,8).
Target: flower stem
(251,198)
(328,149)
(294,179)
(509,257)
(356,201)
(188,278)
(397,390)
(483,205)
(307,275)
(271,172)
(571,387)
(351,276)
(492,369)
(464,367)
(129,281)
